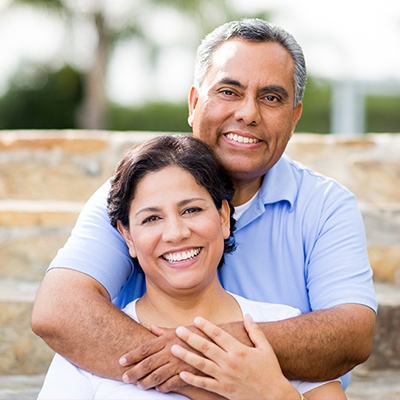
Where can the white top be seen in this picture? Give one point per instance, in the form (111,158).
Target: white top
(68,382)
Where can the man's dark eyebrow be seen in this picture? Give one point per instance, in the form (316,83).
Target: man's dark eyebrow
(232,82)
(270,88)
(275,89)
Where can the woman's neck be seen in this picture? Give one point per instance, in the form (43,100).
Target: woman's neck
(171,310)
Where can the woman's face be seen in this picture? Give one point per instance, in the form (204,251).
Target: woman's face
(176,231)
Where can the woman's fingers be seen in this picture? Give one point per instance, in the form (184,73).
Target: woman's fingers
(223,339)
(255,333)
(199,362)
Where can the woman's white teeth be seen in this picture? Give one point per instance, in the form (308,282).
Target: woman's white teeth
(241,139)
(185,255)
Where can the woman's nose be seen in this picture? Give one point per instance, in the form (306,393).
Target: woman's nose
(175,229)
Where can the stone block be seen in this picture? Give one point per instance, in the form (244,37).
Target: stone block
(382,224)
(31,232)
(21,351)
(386,347)
(61,165)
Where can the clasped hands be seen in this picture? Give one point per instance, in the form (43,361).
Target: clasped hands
(206,357)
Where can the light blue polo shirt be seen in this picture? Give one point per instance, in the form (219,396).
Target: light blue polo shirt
(301,243)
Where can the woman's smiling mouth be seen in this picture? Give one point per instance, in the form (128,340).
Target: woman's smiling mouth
(181,256)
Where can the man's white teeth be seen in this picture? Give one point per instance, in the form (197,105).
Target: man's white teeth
(241,139)
(175,257)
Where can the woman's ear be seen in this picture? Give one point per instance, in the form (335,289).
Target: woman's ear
(128,238)
(225,215)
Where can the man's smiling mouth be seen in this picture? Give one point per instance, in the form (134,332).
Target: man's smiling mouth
(241,139)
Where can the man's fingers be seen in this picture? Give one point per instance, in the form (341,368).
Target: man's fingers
(158,377)
(141,352)
(171,385)
(147,366)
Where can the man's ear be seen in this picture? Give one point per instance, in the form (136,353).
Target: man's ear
(225,215)
(128,238)
(192,100)
(296,115)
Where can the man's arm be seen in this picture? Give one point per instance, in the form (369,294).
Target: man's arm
(74,316)
(320,345)
(325,344)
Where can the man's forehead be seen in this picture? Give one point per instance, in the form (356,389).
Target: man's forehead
(264,59)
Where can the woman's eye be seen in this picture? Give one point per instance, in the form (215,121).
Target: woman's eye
(192,210)
(152,218)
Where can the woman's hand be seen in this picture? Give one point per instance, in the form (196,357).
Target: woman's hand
(233,370)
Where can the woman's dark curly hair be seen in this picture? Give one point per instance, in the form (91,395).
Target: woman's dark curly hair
(184,151)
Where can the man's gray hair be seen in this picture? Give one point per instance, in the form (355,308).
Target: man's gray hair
(252,30)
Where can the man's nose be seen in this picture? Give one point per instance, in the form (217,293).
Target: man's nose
(249,111)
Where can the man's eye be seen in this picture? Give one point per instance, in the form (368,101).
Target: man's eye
(227,92)
(271,98)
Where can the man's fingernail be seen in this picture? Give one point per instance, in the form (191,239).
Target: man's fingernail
(125,378)
(122,361)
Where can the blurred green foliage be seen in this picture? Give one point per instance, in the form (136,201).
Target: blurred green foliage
(315,117)
(383,114)
(159,117)
(41,99)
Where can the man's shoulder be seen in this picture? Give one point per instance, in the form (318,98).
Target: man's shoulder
(305,177)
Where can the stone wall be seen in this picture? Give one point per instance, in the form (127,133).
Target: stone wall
(47,176)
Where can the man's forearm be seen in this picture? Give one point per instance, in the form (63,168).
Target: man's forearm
(73,315)
(320,345)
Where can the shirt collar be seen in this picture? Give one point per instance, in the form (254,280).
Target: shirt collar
(279,183)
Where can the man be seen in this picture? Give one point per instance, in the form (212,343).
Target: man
(300,235)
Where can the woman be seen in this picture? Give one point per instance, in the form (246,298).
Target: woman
(169,199)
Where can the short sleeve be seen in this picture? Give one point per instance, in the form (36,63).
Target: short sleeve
(96,248)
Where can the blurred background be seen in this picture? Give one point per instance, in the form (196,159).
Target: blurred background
(128,64)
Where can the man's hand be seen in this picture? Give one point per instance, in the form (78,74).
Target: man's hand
(153,365)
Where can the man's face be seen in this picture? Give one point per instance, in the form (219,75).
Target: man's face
(244,108)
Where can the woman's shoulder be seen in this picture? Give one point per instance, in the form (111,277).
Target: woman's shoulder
(265,312)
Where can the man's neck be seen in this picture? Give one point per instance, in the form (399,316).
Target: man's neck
(245,190)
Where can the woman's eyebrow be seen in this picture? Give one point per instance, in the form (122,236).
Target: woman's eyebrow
(157,209)
(147,210)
